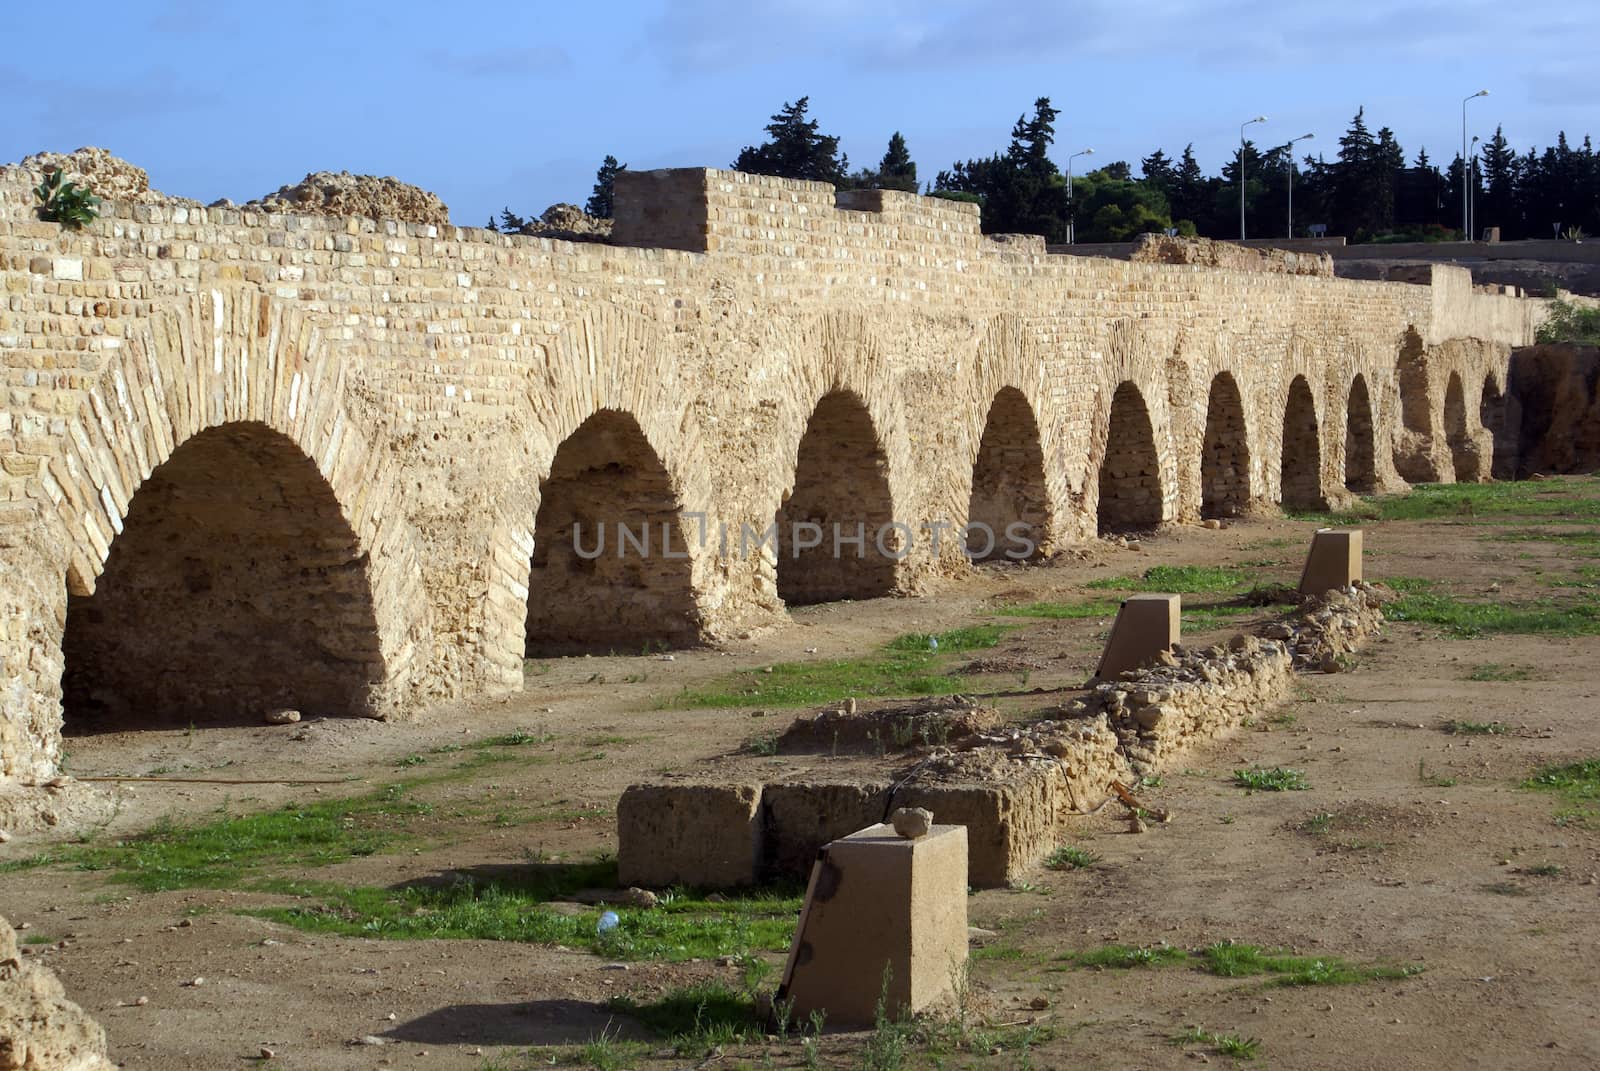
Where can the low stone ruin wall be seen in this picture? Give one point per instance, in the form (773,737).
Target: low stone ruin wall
(40,1029)
(1230,256)
(1012,788)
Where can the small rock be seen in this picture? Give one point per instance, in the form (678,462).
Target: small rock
(283,716)
(1211,523)
(4,837)
(141,1002)
(1134,544)
(850,705)
(193,983)
(267,1054)
(370,1039)
(978,935)
(912,822)
(1039,1003)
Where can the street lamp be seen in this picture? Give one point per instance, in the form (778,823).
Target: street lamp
(1289,150)
(1466,204)
(1472,190)
(1247,122)
(1072,223)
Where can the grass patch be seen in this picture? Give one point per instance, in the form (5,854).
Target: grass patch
(1225,959)
(699,1017)
(1577,784)
(908,666)
(221,853)
(1178,579)
(1457,727)
(514,907)
(1466,619)
(1126,957)
(1228,959)
(1495,671)
(1235,1045)
(1069,857)
(1061,611)
(1276,779)
(1473,502)
(1212,618)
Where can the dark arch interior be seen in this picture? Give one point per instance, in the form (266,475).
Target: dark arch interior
(841,485)
(1360,443)
(1224,452)
(235,587)
(1130,476)
(1008,483)
(1413,447)
(1301,468)
(1492,415)
(610,570)
(1463,450)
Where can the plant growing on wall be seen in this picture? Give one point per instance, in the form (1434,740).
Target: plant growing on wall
(65,203)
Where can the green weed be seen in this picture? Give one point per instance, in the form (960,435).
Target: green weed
(1069,857)
(1578,785)
(1276,779)
(1457,727)
(1061,611)
(1494,671)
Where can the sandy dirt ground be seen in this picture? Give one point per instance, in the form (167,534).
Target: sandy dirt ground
(1412,847)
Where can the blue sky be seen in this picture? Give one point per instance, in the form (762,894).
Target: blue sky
(491,104)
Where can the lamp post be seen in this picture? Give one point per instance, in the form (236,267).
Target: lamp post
(1289,151)
(1472,190)
(1072,222)
(1466,204)
(1247,122)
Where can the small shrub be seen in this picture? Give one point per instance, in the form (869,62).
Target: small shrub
(65,203)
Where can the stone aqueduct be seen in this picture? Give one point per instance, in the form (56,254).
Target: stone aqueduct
(249,461)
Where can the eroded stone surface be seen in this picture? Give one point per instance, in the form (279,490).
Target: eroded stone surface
(40,1029)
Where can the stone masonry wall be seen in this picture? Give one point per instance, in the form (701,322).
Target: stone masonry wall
(429,375)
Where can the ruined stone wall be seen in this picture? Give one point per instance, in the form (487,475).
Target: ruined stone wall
(428,376)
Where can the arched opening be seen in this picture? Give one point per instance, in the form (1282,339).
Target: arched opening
(1360,442)
(1300,471)
(828,529)
(1225,452)
(1463,450)
(1130,474)
(1008,511)
(1492,415)
(610,568)
(235,587)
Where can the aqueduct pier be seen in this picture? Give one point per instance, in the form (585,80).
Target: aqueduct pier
(250,461)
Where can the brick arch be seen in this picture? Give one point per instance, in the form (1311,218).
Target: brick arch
(840,503)
(1008,362)
(1360,439)
(1130,483)
(1132,384)
(1008,509)
(610,568)
(840,399)
(1300,457)
(609,382)
(234,383)
(1225,451)
(1413,450)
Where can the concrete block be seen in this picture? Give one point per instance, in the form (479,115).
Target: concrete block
(702,835)
(1011,823)
(800,817)
(884,916)
(1145,626)
(1334,561)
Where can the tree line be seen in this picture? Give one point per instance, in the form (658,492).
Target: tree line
(1368,192)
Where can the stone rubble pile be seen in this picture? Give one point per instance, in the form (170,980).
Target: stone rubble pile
(329,193)
(932,722)
(1160,249)
(568,223)
(108,177)
(40,1029)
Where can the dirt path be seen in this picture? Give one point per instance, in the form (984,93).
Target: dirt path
(1412,847)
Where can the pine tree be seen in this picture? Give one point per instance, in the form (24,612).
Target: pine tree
(510,222)
(1188,196)
(897,171)
(796,149)
(1157,170)
(600,202)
